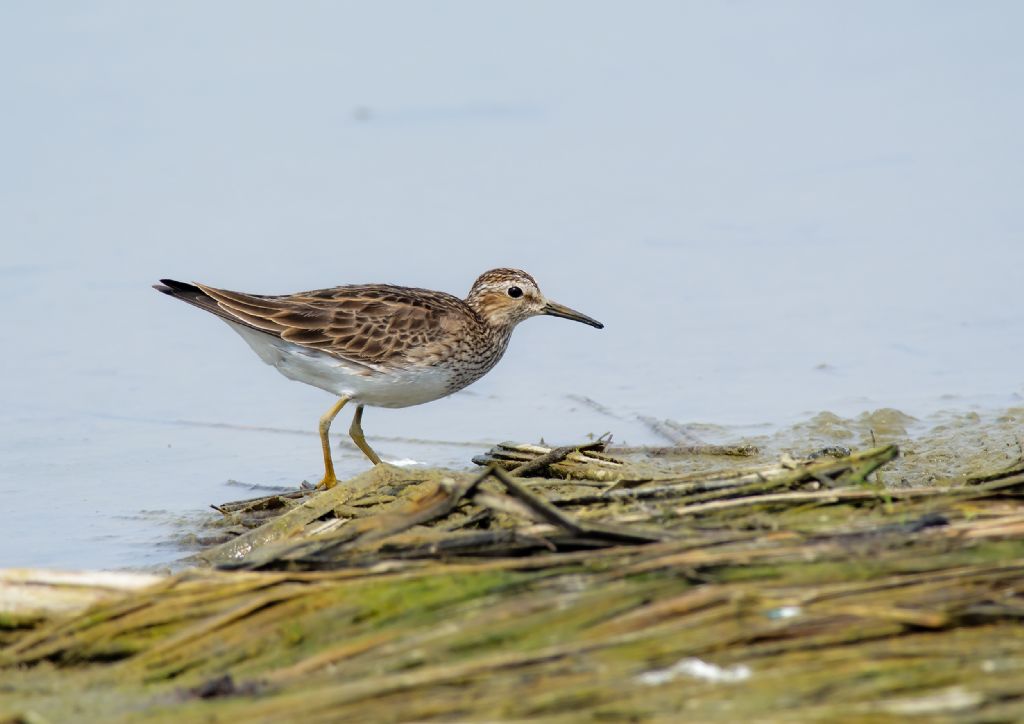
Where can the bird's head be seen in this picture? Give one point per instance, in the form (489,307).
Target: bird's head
(505,297)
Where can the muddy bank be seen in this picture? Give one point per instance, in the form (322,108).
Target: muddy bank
(585,581)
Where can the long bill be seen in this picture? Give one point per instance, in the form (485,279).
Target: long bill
(554,309)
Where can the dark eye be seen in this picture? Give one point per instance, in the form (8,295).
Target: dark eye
(515,292)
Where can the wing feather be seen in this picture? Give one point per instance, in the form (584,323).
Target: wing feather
(371,325)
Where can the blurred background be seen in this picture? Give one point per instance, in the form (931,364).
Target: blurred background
(776,208)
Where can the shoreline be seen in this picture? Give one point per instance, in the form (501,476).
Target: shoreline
(627,587)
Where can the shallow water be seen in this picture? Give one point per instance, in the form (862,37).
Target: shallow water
(776,211)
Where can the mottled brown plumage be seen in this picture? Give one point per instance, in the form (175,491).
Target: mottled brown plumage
(379,344)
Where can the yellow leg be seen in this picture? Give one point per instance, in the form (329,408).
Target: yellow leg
(329,480)
(356,433)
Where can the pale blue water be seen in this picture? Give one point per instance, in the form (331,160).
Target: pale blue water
(775,208)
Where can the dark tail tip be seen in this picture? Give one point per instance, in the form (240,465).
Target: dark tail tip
(172,287)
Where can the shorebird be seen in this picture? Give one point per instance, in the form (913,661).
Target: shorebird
(377,344)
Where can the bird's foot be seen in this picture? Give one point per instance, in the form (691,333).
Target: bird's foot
(328,482)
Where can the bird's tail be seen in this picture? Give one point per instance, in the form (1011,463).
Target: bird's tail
(190,293)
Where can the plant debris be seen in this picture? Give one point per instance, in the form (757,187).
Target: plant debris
(566,583)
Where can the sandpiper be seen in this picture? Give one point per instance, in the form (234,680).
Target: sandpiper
(378,344)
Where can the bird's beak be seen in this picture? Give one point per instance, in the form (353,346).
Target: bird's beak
(557,310)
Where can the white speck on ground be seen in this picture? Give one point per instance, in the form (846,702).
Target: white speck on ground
(697,669)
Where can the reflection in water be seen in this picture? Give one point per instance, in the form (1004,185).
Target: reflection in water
(770,224)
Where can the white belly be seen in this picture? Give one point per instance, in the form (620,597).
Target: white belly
(391,388)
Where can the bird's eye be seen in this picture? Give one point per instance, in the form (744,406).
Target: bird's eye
(515,292)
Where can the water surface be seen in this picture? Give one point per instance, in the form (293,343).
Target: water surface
(776,209)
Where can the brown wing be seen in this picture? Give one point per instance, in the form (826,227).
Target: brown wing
(372,324)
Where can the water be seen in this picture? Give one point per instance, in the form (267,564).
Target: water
(776,209)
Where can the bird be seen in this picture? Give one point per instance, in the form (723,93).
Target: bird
(379,345)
